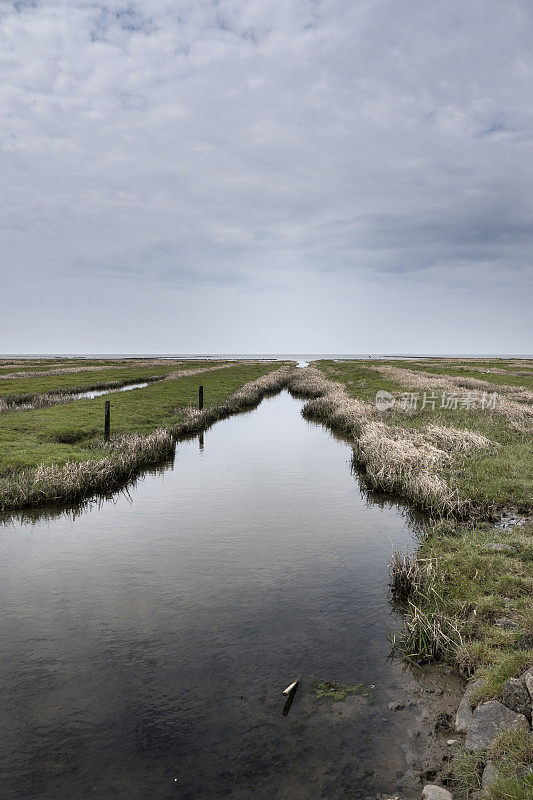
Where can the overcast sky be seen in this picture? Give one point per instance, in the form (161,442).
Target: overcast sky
(266,176)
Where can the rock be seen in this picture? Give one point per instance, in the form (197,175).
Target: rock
(489,775)
(396,705)
(463,717)
(506,623)
(500,546)
(451,741)
(528,680)
(516,697)
(490,719)
(528,674)
(433,792)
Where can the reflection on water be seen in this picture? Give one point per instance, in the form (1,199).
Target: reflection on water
(147,640)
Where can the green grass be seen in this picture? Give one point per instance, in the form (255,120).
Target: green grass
(72,431)
(497,480)
(464,775)
(479,585)
(511,787)
(511,753)
(483,585)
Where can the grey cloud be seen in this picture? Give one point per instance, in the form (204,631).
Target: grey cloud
(241,145)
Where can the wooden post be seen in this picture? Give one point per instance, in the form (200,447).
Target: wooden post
(107,420)
(200,397)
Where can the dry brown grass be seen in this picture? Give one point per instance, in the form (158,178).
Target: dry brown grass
(457,440)
(512,402)
(497,371)
(184,373)
(404,462)
(29,402)
(413,577)
(331,403)
(8,376)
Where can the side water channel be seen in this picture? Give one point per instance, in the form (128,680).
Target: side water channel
(146,639)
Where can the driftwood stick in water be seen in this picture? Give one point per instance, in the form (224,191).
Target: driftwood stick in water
(290,691)
(292,686)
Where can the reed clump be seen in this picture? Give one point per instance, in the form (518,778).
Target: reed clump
(413,577)
(26,402)
(400,461)
(428,635)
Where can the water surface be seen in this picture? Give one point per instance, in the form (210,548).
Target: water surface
(98,392)
(146,640)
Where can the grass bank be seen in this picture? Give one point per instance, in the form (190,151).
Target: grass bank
(57,454)
(478,460)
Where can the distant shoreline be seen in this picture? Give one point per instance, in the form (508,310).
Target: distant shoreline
(268,356)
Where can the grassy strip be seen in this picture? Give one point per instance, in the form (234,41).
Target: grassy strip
(393,459)
(486,479)
(73,431)
(26,402)
(510,399)
(84,379)
(111,465)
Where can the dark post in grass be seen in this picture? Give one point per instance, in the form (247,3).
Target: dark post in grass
(107,420)
(200,397)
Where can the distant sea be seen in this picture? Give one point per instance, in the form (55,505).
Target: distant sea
(269,356)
